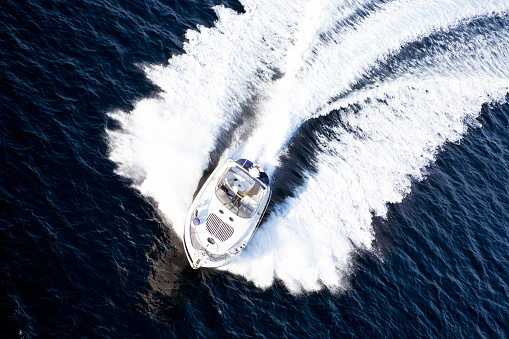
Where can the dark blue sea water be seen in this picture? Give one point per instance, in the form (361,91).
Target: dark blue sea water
(384,125)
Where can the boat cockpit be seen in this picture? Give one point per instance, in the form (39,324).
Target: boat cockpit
(239,192)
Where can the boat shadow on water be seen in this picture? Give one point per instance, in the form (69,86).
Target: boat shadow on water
(172,283)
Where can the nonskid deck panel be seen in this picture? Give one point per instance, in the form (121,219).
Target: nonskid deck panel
(218,228)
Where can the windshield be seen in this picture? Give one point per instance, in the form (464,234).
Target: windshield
(239,192)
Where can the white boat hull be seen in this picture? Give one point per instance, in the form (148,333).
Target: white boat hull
(225,213)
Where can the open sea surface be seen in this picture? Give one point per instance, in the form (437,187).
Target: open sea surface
(384,126)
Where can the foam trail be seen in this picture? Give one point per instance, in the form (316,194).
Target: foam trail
(164,144)
(330,67)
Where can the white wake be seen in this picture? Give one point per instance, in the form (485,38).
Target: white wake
(321,49)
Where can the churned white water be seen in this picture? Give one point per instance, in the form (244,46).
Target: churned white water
(295,59)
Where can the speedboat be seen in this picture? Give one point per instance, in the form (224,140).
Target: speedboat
(225,213)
